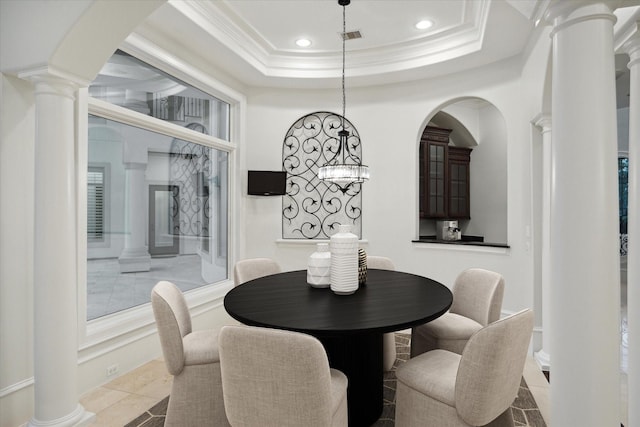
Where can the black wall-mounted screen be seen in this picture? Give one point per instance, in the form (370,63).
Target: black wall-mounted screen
(267,183)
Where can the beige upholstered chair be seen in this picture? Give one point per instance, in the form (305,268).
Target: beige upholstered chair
(249,269)
(380,262)
(388,340)
(192,358)
(444,389)
(279,378)
(477,301)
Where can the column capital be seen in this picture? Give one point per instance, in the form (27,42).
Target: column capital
(632,47)
(542,121)
(49,80)
(563,14)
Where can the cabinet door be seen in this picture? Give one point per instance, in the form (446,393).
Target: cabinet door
(458,180)
(436,172)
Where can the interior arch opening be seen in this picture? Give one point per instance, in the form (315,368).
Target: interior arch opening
(463,174)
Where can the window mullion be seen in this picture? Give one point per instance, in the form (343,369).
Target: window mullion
(120,114)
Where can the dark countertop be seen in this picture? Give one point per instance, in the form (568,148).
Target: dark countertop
(465,241)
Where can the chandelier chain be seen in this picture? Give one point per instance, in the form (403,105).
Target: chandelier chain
(344,32)
(343,174)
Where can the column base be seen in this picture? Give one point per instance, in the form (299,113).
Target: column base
(543,360)
(78,418)
(132,261)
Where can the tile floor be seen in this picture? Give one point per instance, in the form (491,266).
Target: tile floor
(125,398)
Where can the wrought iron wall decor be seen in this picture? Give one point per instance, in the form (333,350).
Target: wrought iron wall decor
(191,169)
(344,168)
(313,209)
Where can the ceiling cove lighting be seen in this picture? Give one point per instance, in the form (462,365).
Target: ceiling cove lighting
(337,170)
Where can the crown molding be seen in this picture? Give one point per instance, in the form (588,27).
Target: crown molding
(219,21)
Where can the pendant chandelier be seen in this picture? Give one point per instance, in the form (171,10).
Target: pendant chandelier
(337,170)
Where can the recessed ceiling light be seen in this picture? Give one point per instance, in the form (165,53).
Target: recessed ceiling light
(423,25)
(303,42)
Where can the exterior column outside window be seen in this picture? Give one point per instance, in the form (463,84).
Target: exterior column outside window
(135,255)
(543,356)
(55,255)
(632,47)
(585,296)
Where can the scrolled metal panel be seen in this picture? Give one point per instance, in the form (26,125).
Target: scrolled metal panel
(313,209)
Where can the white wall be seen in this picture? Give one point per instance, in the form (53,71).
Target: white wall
(489,179)
(390,120)
(623,129)
(16,248)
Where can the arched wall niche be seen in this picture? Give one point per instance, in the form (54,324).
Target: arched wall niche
(477,124)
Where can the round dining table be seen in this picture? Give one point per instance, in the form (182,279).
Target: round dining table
(350,327)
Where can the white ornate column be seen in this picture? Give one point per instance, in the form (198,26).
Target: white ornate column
(135,255)
(632,47)
(585,276)
(55,255)
(543,356)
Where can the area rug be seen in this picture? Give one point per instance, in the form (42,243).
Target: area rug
(524,409)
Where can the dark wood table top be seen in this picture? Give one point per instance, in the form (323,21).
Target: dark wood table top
(389,301)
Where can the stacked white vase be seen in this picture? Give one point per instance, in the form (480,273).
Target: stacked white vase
(319,267)
(344,261)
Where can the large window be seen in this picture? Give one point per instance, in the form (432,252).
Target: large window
(623,191)
(160,181)
(130,83)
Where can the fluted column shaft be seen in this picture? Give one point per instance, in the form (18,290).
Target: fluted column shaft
(585,276)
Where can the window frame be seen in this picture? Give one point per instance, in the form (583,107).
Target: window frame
(98,336)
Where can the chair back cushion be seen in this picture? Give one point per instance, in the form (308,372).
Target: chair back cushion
(273,377)
(477,294)
(491,368)
(380,262)
(173,321)
(249,269)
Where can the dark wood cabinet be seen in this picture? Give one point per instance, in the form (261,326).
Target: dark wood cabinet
(444,176)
